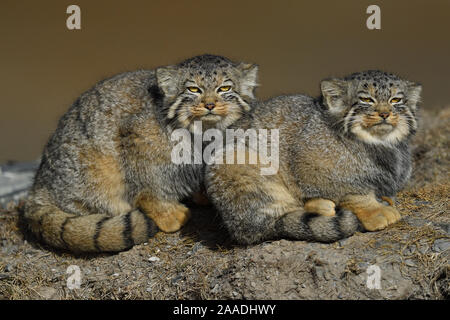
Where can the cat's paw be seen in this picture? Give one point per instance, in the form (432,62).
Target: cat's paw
(378,218)
(320,206)
(173,219)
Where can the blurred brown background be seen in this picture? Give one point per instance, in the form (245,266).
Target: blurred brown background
(45,66)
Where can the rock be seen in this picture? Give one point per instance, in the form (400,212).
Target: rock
(177,278)
(154,259)
(215,289)
(363,265)
(422,202)
(15,180)
(445,227)
(441,245)
(196,247)
(47,293)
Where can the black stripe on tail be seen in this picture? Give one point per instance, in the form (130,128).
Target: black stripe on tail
(152,228)
(98,227)
(127,237)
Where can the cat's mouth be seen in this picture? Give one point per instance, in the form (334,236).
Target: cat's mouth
(381,132)
(210,117)
(377,125)
(382,124)
(381,128)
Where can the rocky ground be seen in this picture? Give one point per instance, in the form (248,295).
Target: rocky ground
(198,262)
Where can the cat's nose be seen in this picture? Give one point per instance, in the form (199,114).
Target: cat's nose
(384,115)
(210,106)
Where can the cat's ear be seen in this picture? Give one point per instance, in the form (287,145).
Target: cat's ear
(249,78)
(413,94)
(334,92)
(167,78)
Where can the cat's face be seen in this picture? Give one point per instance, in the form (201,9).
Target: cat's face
(207,88)
(376,107)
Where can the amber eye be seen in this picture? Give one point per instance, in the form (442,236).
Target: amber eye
(366,100)
(396,100)
(194,89)
(224,88)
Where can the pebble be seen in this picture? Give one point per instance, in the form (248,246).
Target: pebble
(422,202)
(8,268)
(363,265)
(215,289)
(176,279)
(154,259)
(196,247)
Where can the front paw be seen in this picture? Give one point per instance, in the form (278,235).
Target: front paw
(378,218)
(321,206)
(172,221)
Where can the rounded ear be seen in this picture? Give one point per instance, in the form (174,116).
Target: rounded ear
(249,77)
(167,78)
(334,92)
(413,94)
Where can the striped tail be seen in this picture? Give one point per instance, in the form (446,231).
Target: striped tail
(301,225)
(88,233)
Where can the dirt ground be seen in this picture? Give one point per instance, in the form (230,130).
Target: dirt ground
(198,262)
